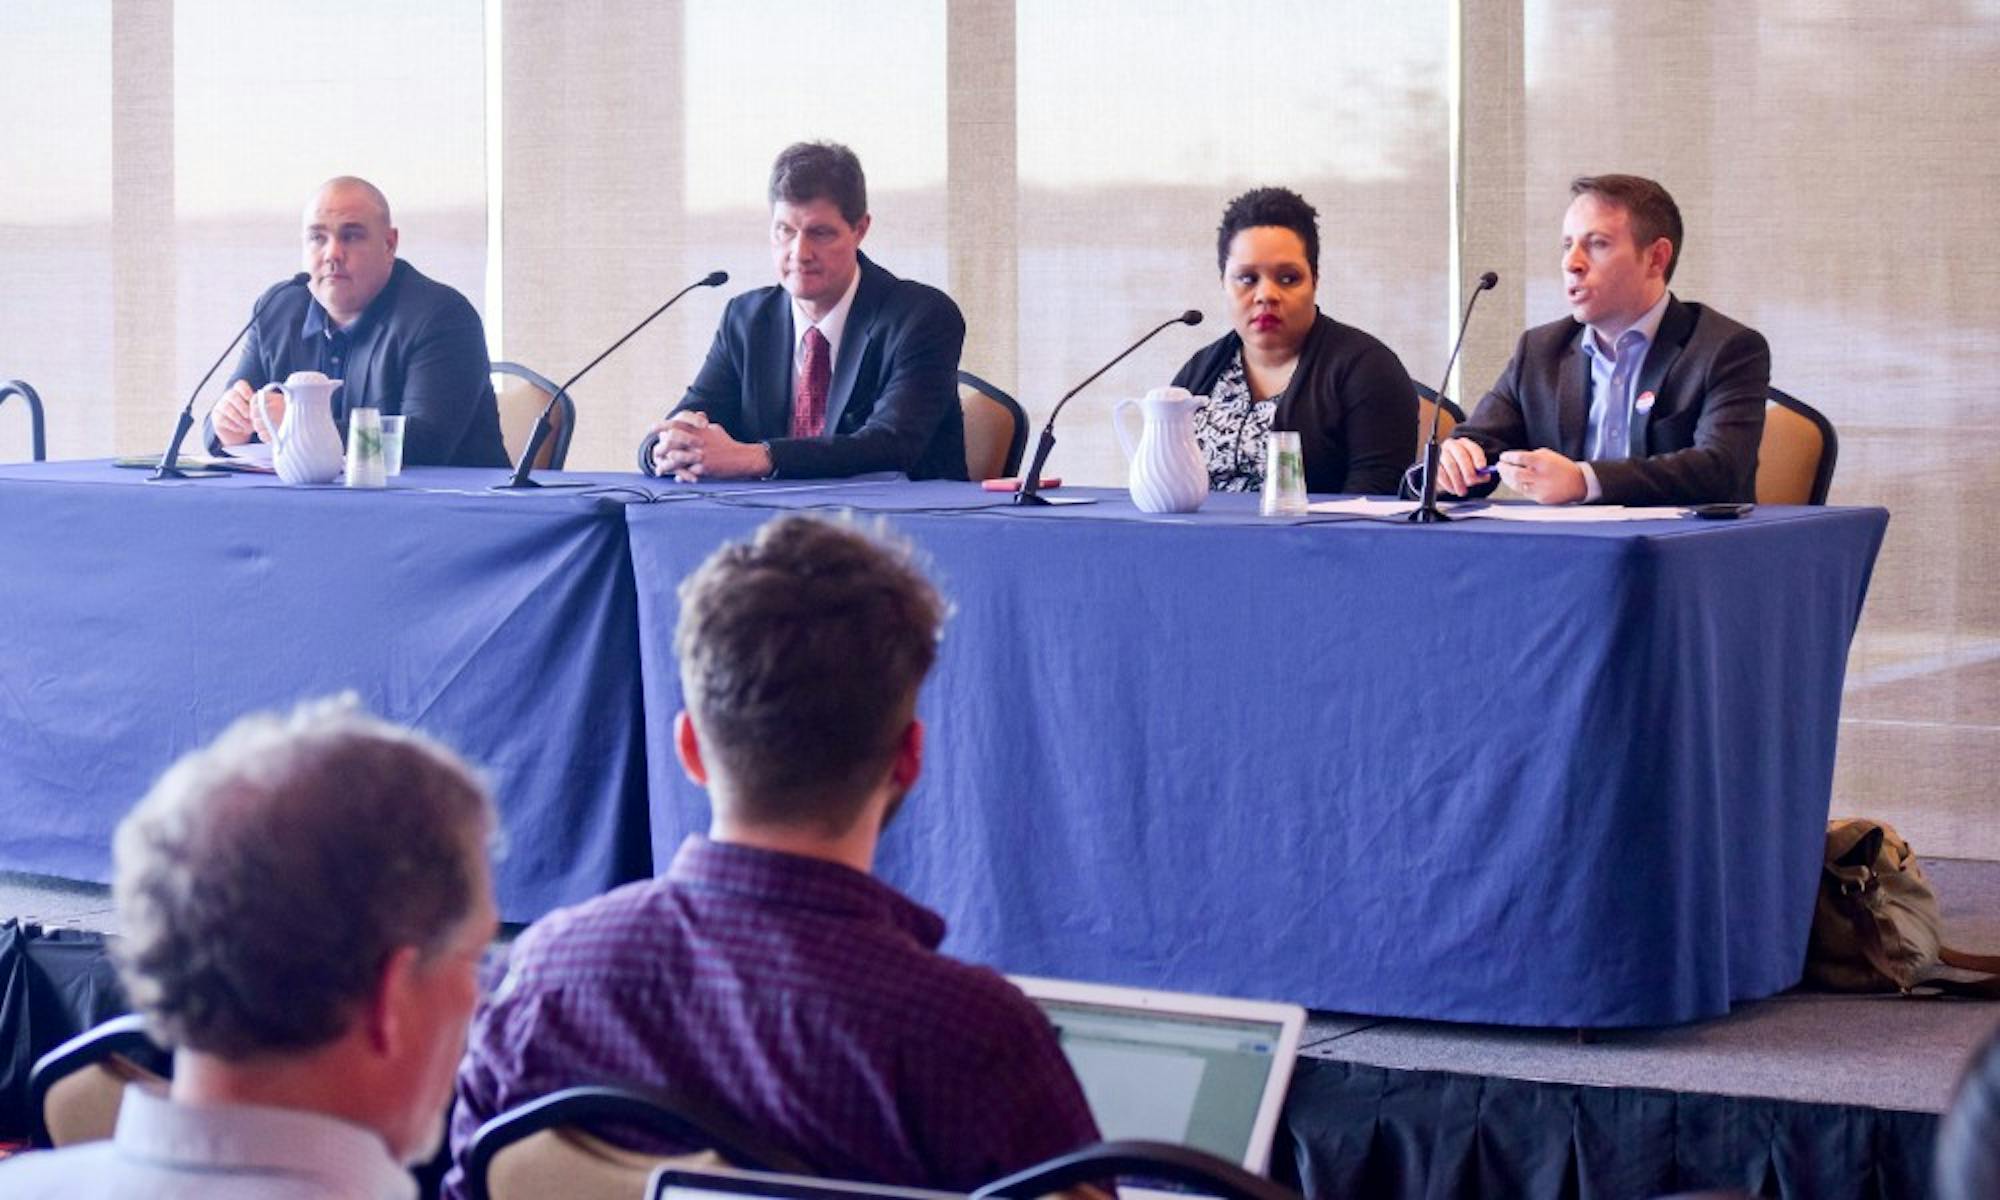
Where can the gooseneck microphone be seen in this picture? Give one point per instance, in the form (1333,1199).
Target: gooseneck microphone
(1427,511)
(542,427)
(169,468)
(1031,482)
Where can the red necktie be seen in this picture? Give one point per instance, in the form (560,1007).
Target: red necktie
(809,404)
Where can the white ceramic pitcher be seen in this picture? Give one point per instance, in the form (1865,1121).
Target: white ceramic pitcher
(305,446)
(1168,473)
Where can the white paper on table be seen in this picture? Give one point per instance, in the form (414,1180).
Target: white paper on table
(1364,506)
(256,452)
(1579,514)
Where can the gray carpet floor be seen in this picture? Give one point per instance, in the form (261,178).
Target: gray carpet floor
(1877,1051)
(61,903)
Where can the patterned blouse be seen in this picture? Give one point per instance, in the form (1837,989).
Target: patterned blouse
(1230,430)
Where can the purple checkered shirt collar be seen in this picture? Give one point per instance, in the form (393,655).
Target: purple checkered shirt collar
(797,881)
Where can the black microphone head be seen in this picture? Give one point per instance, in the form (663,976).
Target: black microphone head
(1191,317)
(301,277)
(1488,280)
(716,279)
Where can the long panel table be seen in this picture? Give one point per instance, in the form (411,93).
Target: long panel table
(137,620)
(1541,775)
(1548,776)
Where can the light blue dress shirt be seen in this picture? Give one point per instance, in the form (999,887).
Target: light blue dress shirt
(1614,385)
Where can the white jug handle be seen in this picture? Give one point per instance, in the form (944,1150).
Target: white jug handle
(1118,425)
(264,411)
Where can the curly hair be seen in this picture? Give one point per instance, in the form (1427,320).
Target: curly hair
(267,878)
(1274,206)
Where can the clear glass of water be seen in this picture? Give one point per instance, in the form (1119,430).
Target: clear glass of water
(392,444)
(365,468)
(1284,476)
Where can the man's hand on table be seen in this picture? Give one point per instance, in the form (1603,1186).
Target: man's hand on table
(691,448)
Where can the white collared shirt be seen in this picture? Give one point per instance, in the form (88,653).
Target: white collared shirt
(831,326)
(165,1150)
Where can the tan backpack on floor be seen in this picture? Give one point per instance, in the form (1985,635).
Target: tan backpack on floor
(1877,926)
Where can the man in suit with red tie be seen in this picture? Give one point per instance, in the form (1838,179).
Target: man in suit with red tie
(839,370)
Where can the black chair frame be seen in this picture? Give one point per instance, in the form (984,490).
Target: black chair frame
(560,453)
(1164,1161)
(658,1112)
(1451,408)
(36,429)
(1829,449)
(1017,446)
(123,1037)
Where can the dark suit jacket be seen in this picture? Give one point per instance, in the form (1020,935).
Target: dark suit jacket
(893,405)
(1709,376)
(1350,400)
(419,349)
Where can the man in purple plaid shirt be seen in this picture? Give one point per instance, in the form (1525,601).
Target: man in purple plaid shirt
(768,974)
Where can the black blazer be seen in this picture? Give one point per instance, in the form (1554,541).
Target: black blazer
(1709,376)
(1350,400)
(419,349)
(894,399)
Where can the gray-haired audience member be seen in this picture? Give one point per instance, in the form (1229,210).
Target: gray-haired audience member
(305,903)
(1968,1142)
(767,972)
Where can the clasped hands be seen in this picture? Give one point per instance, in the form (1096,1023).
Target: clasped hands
(1543,476)
(691,448)
(234,417)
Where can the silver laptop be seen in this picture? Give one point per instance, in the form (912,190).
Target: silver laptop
(1203,1071)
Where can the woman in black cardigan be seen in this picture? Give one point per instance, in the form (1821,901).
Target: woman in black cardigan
(1289,366)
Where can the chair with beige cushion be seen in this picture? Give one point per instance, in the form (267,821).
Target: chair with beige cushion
(1795,459)
(1427,402)
(74,1090)
(521,395)
(996,429)
(544,1147)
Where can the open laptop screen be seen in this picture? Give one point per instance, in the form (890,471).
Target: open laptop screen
(1150,1069)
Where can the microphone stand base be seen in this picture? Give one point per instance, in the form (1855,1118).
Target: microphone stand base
(1428,516)
(1030,499)
(513,485)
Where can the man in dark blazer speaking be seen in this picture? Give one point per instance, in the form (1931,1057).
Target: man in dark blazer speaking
(841,369)
(1636,397)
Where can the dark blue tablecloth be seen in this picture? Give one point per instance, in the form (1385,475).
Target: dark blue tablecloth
(137,620)
(1541,775)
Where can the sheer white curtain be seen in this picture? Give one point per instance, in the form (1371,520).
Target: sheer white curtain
(55,222)
(1060,168)
(1836,165)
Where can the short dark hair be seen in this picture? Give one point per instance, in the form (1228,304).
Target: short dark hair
(1654,213)
(801,652)
(1280,207)
(808,171)
(266,878)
